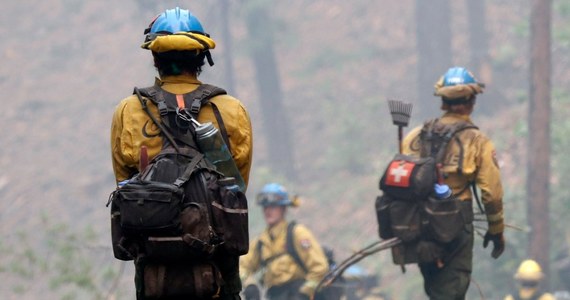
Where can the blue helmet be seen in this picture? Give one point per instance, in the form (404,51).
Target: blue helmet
(175,20)
(273,194)
(458,75)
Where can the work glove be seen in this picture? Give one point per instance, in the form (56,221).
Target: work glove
(498,243)
(308,289)
(252,292)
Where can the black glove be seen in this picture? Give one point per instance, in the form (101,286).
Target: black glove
(252,292)
(498,243)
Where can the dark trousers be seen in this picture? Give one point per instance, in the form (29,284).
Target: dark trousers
(287,291)
(452,281)
(226,263)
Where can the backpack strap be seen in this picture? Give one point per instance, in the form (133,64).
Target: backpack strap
(290,246)
(190,103)
(432,131)
(162,128)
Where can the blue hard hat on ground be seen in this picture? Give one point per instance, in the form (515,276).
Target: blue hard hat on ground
(458,75)
(176,20)
(273,194)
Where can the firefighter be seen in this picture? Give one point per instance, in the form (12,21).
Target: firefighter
(180,47)
(528,278)
(291,260)
(470,159)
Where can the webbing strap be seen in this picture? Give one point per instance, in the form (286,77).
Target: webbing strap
(289,249)
(290,246)
(163,129)
(189,170)
(222,126)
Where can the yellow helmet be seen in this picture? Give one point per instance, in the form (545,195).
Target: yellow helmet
(529,270)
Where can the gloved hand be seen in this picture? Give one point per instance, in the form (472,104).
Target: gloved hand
(252,292)
(308,288)
(498,243)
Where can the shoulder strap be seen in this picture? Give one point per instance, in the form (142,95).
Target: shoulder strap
(445,135)
(163,129)
(208,92)
(196,99)
(290,246)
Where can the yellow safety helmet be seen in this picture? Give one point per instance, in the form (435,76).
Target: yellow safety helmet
(529,270)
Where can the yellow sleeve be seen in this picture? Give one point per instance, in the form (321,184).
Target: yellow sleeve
(489,181)
(249,264)
(547,296)
(509,297)
(121,146)
(241,142)
(411,143)
(312,255)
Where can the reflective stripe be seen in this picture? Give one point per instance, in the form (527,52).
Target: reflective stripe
(495,217)
(164,239)
(229,210)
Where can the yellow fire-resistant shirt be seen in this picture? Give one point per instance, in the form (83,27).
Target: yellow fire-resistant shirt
(479,165)
(132,128)
(283,268)
(527,294)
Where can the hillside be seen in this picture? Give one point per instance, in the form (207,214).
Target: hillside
(67,63)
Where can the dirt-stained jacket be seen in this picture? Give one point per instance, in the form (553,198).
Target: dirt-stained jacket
(132,128)
(281,268)
(479,166)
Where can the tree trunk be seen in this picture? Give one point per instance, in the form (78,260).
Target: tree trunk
(227,46)
(275,121)
(433,36)
(539,134)
(480,63)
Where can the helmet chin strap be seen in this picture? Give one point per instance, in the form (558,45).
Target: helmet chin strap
(209,58)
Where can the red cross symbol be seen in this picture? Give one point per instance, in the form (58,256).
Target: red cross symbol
(399,173)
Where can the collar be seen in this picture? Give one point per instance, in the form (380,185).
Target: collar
(177,79)
(276,230)
(454,116)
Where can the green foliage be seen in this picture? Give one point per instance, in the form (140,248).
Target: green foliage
(66,264)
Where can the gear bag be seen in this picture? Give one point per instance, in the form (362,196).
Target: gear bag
(179,209)
(408,208)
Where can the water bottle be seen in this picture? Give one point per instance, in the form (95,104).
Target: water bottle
(442,190)
(216,151)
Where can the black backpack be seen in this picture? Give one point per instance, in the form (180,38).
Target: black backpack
(408,208)
(179,211)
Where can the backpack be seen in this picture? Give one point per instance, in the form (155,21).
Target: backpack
(408,208)
(326,293)
(179,211)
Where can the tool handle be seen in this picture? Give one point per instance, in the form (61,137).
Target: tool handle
(143,161)
(400,138)
(439,173)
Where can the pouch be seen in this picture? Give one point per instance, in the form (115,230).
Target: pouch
(405,220)
(150,208)
(383,216)
(444,219)
(230,213)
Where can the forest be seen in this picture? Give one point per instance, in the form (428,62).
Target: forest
(315,76)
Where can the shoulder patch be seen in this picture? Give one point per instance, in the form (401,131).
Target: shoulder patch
(305,244)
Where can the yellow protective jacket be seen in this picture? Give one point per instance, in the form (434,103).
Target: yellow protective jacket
(281,267)
(132,128)
(527,294)
(479,166)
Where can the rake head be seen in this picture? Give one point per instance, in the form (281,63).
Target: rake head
(401,112)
